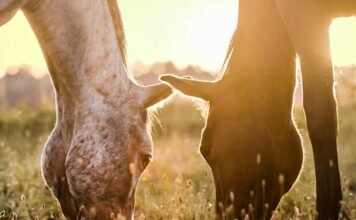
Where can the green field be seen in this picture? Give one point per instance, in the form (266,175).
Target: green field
(177,184)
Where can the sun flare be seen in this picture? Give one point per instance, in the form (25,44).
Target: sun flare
(343,41)
(209,34)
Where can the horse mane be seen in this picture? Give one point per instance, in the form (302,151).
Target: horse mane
(119,28)
(228,57)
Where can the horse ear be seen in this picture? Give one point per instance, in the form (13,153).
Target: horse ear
(155,93)
(191,87)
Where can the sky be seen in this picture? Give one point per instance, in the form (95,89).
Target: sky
(185,31)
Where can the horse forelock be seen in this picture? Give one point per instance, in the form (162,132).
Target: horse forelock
(119,28)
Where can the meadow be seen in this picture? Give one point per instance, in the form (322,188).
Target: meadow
(178,183)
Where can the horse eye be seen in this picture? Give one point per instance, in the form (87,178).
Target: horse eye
(146,159)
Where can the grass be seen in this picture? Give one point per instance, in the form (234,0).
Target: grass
(178,184)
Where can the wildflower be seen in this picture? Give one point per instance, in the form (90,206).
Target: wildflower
(250,208)
(230,209)
(281,179)
(258,159)
(243,212)
(331,163)
(266,206)
(263,183)
(232,197)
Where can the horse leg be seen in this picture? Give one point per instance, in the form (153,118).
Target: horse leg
(308,28)
(53,171)
(321,115)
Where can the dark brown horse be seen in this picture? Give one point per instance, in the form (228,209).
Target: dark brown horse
(250,141)
(259,41)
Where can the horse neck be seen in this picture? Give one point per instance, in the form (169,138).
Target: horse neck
(260,44)
(261,74)
(80,45)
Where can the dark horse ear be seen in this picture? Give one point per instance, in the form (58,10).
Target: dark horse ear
(191,87)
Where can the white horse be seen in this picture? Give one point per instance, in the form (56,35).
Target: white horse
(100,144)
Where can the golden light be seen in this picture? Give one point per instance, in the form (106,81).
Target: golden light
(18,45)
(343,41)
(186,32)
(209,33)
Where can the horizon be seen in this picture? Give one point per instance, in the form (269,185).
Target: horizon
(144,69)
(137,69)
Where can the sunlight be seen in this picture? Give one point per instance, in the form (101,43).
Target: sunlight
(18,45)
(195,32)
(164,135)
(343,41)
(209,34)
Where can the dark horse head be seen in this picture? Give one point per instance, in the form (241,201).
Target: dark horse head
(250,141)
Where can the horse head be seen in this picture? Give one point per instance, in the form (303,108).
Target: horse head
(241,149)
(110,149)
(101,142)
